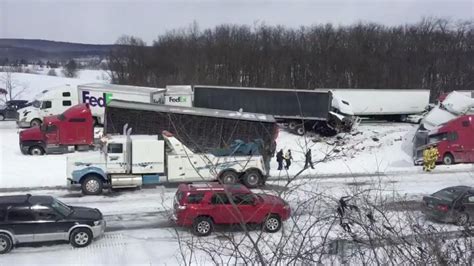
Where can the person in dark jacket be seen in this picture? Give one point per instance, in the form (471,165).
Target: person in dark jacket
(288,159)
(279,157)
(308,160)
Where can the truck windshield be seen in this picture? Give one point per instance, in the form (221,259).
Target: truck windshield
(437,137)
(36,104)
(61,207)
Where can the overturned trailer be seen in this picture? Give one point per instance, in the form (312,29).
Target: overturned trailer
(200,129)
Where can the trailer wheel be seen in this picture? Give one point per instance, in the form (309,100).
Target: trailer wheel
(92,185)
(36,150)
(35,123)
(292,125)
(300,130)
(252,178)
(229,177)
(448,159)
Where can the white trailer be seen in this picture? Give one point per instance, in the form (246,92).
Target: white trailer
(393,104)
(56,100)
(133,161)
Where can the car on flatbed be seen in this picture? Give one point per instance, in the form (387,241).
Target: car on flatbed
(27,219)
(201,206)
(451,205)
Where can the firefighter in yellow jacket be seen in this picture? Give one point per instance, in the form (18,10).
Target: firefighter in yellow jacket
(430,156)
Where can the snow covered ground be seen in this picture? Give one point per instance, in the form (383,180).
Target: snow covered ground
(377,156)
(31,85)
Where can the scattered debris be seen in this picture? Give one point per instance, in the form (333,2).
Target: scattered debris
(375,139)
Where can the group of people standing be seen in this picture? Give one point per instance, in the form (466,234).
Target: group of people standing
(287,157)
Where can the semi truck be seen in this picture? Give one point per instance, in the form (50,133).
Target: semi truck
(57,100)
(301,110)
(134,161)
(72,130)
(455,106)
(394,104)
(454,141)
(200,129)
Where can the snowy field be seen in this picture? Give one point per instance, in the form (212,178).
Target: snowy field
(374,157)
(29,85)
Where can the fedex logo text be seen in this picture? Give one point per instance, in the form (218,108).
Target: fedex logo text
(96,101)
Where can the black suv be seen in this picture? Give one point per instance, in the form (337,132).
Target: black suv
(9,111)
(27,218)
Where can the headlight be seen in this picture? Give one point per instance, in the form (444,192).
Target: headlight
(97,222)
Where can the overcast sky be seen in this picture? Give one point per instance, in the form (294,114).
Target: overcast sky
(103,21)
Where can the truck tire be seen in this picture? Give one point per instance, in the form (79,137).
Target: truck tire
(252,178)
(292,125)
(229,177)
(80,237)
(2,117)
(299,130)
(36,150)
(92,185)
(35,123)
(448,159)
(203,226)
(6,243)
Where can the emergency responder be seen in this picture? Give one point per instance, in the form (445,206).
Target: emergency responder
(430,156)
(434,154)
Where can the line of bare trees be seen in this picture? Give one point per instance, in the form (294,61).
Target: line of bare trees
(433,54)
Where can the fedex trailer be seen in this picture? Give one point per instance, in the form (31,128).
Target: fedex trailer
(97,95)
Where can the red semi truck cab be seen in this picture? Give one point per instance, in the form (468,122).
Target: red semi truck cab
(455,140)
(67,132)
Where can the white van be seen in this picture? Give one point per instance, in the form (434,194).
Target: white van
(56,100)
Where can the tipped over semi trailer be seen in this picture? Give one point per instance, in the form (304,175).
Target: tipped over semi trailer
(391,104)
(200,129)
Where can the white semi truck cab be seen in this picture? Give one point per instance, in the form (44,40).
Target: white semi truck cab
(134,161)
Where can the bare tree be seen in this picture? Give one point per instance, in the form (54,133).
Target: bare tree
(12,87)
(70,69)
(433,54)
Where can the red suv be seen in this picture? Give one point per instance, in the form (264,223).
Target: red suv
(200,206)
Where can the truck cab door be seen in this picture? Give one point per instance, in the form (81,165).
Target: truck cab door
(115,161)
(46,108)
(51,134)
(458,147)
